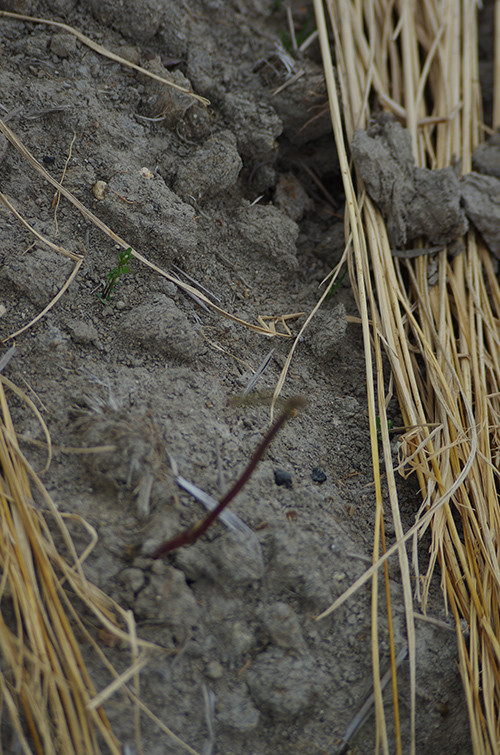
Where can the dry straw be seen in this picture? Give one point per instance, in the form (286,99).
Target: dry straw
(44,683)
(442,338)
(51,703)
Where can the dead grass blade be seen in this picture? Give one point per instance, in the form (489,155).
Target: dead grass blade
(26,399)
(43,667)
(49,306)
(39,236)
(420,60)
(49,697)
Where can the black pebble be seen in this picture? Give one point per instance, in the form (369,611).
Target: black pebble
(317,475)
(281,477)
(48,160)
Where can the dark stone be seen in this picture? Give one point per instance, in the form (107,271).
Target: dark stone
(281,477)
(317,475)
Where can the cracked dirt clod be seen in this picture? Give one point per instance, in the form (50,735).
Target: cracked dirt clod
(163,102)
(160,325)
(236,711)
(486,158)
(231,560)
(138,20)
(155,215)
(282,625)
(39,275)
(284,686)
(213,168)
(415,201)
(256,126)
(481,199)
(270,235)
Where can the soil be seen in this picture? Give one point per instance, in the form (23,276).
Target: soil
(222,194)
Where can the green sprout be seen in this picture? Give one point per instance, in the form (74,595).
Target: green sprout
(337,283)
(112,278)
(300,35)
(379,427)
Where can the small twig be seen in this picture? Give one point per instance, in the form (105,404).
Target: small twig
(308,41)
(193,533)
(150,120)
(103,51)
(57,195)
(258,372)
(46,111)
(193,296)
(4,361)
(255,169)
(365,709)
(12,114)
(291,28)
(209,703)
(49,305)
(39,236)
(196,283)
(296,76)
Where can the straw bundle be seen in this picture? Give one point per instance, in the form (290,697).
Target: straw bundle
(441,335)
(49,698)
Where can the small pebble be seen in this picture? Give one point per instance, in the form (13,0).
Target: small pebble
(99,189)
(283,478)
(317,475)
(214,670)
(63,45)
(236,711)
(284,685)
(242,638)
(281,623)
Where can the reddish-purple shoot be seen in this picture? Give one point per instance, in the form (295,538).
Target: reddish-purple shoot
(193,533)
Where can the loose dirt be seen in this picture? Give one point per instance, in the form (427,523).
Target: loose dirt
(223,194)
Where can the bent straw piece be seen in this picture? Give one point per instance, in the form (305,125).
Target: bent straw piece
(39,236)
(363,713)
(93,604)
(49,306)
(267,331)
(12,436)
(443,500)
(354,114)
(51,680)
(117,683)
(103,51)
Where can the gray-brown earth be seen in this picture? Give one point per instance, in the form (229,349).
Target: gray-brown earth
(224,193)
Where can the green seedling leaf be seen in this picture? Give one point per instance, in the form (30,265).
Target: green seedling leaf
(379,427)
(286,41)
(333,289)
(112,278)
